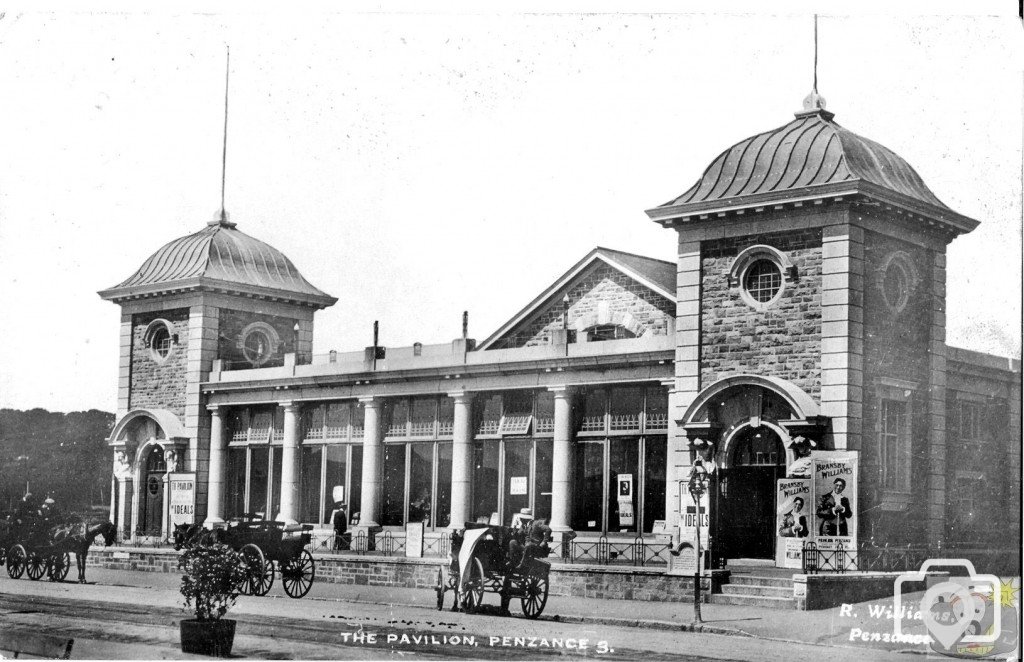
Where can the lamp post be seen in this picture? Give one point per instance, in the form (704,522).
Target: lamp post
(698,485)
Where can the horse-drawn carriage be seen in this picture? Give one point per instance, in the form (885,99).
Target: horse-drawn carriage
(497,559)
(36,547)
(260,543)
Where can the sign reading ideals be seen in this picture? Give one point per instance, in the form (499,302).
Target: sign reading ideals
(182,502)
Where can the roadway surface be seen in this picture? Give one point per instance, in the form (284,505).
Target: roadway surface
(134,615)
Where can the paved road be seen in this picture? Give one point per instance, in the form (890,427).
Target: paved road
(134,615)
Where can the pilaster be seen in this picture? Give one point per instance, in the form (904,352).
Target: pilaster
(937,403)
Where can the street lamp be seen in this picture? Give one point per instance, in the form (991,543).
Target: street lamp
(697,485)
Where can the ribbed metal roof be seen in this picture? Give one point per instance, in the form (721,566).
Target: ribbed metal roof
(812,154)
(220,256)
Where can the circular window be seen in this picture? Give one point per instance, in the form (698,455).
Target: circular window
(159,340)
(763,281)
(896,279)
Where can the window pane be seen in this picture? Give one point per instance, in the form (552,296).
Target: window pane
(355,490)
(421,469)
(397,415)
(626,405)
(446,417)
(542,500)
(623,460)
(393,503)
(258,480)
(589,488)
(335,481)
(593,411)
(518,403)
(444,485)
(654,480)
(234,497)
(337,418)
(485,479)
(424,412)
(490,414)
(309,485)
(517,477)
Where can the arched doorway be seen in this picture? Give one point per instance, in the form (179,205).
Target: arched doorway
(151,498)
(747,486)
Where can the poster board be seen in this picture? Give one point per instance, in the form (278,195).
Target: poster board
(625,499)
(792,521)
(834,488)
(414,540)
(181,503)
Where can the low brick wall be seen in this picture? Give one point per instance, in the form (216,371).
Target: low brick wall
(813,592)
(600,582)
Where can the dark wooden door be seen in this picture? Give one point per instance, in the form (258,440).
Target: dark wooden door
(152,494)
(747,494)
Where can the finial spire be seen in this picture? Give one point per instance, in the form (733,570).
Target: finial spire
(814,103)
(221,218)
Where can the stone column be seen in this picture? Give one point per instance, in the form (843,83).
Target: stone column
(561,464)
(462,459)
(372,451)
(290,463)
(215,486)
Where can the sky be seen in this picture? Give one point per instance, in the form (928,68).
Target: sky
(416,165)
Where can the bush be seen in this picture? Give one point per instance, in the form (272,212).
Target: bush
(211,577)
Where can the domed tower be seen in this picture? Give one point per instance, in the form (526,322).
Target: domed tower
(215,294)
(811,308)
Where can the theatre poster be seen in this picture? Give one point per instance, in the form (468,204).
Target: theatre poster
(793,506)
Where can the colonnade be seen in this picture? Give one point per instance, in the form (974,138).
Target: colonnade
(462,460)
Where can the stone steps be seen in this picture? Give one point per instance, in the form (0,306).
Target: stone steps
(760,580)
(753,601)
(754,589)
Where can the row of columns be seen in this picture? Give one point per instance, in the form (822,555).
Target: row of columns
(462,461)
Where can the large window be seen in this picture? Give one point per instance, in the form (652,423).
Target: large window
(259,478)
(485,479)
(309,484)
(614,492)
(234,498)
(894,438)
(393,502)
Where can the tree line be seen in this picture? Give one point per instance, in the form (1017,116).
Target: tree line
(58,454)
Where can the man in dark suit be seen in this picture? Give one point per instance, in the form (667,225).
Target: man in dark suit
(834,510)
(340,522)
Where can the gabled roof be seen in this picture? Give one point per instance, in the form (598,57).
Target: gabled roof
(812,155)
(658,275)
(224,258)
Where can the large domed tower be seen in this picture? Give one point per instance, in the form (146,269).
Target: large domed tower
(811,308)
(217,294)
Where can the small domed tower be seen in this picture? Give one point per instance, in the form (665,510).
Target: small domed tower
(217,294)
(811,308)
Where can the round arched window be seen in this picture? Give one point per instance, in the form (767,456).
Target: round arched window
(763,281)
(159,340)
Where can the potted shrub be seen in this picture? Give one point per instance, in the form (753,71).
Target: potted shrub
(211,577)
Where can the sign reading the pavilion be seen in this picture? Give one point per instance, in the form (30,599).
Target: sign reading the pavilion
(792,521)
(182,501)
(834,490)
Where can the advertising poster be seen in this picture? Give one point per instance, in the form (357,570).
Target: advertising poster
(182,498)
(625,499)
(834,488)
(792,521)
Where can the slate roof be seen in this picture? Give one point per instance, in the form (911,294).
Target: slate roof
(222,257)
(812,154)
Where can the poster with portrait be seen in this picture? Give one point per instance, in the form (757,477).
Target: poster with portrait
(792,521)
(834,490)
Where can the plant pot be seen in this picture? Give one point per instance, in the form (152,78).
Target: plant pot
(207,637)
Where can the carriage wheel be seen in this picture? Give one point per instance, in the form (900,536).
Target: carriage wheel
(16,561)
(536,589)
(35,566)
(472,593)
(259,570)
(60,564)
(297,574)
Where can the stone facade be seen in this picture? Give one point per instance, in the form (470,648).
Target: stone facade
(600,295)
(782,341)
(234,322)
(896,356)
(159,384)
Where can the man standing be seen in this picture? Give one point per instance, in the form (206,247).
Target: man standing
(340,521)
(834,510)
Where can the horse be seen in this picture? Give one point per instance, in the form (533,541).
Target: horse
(77,536)
(189,535)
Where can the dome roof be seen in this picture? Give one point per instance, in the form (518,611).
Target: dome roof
(808,157)
(223,258)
